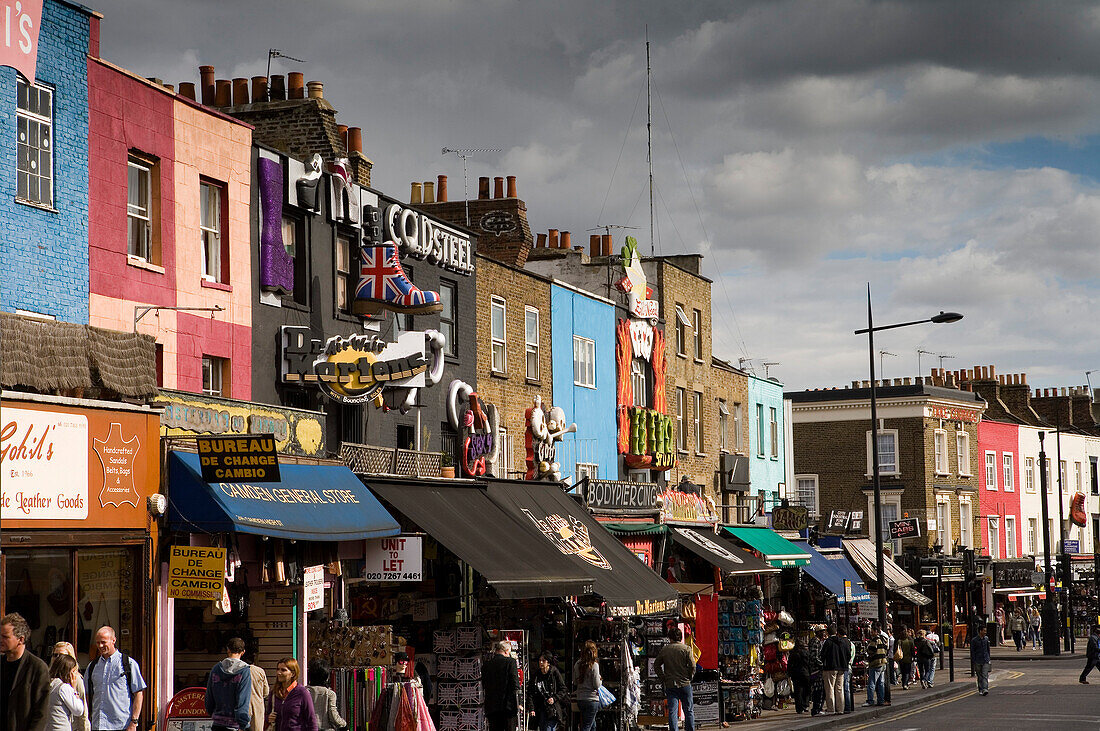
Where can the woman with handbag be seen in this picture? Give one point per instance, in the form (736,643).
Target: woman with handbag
(547,694)
(289,707)
(903,653)
(66,648)
(587,684)
(64,707)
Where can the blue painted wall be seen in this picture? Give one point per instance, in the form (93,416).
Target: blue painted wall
(44,253)
(765,472)
(593,409)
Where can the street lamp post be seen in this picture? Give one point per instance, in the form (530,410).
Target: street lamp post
(1050,622)
(880,567)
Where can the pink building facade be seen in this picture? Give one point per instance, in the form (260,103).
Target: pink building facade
(999,489)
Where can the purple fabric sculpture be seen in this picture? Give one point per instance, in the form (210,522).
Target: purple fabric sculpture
(276,264)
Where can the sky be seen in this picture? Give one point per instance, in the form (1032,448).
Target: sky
(945,154)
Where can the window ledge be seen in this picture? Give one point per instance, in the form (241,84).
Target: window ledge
(342,317)
(584,385)
(937,473)
(533,381)
(700,454)
(207,284)
(990,489)
(292,305)
(682,355)
(966,474)
(498,374)
(137,261)
(39,206)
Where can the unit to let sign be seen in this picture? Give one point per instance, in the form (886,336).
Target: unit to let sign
(313,586)
(196,572)
(238,459)
(400,558)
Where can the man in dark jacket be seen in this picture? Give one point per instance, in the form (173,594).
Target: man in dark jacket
(817,689)
(674,666)
(979,657)
(835,656)
(229,690)
(500,681)
(24,679)
(1092,653)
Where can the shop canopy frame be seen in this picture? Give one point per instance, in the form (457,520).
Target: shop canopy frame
(862,552)
(830,569)
(707,545)
(777,550)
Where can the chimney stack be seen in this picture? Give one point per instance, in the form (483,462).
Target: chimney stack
(429,191)
(223,93)
(277,88)
(240,91)
(316,89)
(554,238)
(187,90)
(498,187)
(355,140)
(594,245)
(296,85)
(415,196)
(483,188)
(342,130)
(441,188)
(540,242)
(206,82)
(512,187)
(259,89)
(566,240)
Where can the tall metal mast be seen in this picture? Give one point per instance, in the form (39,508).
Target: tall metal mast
(649,138)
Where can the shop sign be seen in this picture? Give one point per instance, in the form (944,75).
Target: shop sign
(363,368)
(951,413)
(189,703)
(650,439)
(634,284)
(1071,545)
(620,496)
(952,573)
(545,428)
(424,237)
(19,48)
(705,701)
(929,572)
(44,458)
(838,521)
(643,607)
(708,545)
(790,517)
(478,427)
(229,459)
(313,587)
(1077,511)
(855,521)
(683,507)
(1012,574)
(904,528)
(400,558)
(296,431)
(196,572)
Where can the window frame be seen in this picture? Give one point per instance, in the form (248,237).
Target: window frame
(531,348)
(966,527)
(773,431)
(299,250)
(697,332)
(1029,474)
(1008,471)
(1063,476)
(942,466)
(641,393)
(1033,536)
(1050,476)
(800,491)
(588,348)
(943,520)
(498,344)
(738,427)
(590,470)
(343,275)
(216,369)
(893,433)
(989,469)
(993,535)
(681,331)
(723,426)
(448,319)
(144,167)
(681,406)
(760,446)
(1077,476)
(504,455)
(962,450)
(25,117)
(697,421)
(1010,536)
(221,234)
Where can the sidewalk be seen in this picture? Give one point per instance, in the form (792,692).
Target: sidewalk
(1008,653)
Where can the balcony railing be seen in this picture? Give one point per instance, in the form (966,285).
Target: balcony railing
(364,459)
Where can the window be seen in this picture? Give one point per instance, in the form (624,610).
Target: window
(1094,477)
(943,521)
(498,312)
(1063,483)
(891,511)
(990,470)
(213,376)
(531,341)
(584,362)
(1050,532)
(1010,536)
(682,325)
(448,297)
(738,429)
(887,452)
(587,469)
(994,538)
(294,241)
(1032,536)
(1050,482)
(806,487)
(139,209)
(406,436)
(962,449)
(639,382)
(343,274)
(504,455)
(1007,470)
(966,522)
(773,424)
(723,426)
(681,435)
(940,441)
(697,330)
(351,423)
(1077,476)
(35,118)
(697,417)
(1029,474)
(215,264)
(760,430)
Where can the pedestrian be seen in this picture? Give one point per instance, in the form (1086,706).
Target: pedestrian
(848,704)
(926,657)
(323,697)
(798,668)
(1016,625)
(934,641)
(903,653)
(999,618)
(547,694)
(500,681)
(979,658)
(115,686)
(834,661)
(586,683)
(24,678)
(290,708)
(675,667)
(1092,653)
(64,707)
(257,697)
(817,686)
(66,648)
(1034,626)
(876,668)
(229,690)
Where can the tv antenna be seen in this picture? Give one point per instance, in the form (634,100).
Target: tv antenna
(882,353)
(943,357)
(768,364)
(466,153)
(276,53)
(919,354)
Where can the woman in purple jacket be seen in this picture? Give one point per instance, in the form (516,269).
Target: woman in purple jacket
(290,707)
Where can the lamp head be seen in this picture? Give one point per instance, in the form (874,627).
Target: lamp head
(944,317)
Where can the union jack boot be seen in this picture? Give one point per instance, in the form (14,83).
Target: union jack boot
(383,285)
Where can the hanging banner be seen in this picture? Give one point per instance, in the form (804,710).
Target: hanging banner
(19,43)
(196,572)
(313,587)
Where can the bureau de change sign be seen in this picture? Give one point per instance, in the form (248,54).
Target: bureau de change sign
(249,458)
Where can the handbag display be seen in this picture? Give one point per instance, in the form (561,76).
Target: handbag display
(26,602)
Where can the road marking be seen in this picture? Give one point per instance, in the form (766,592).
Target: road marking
(915,711)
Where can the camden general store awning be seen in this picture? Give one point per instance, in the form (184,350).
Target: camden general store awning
(776,549)
(504,549)
(862,552)
(311,503)
(831,569)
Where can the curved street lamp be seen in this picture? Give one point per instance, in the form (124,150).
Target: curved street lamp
(871,329)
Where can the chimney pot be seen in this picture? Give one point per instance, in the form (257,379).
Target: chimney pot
(594,245)
(441,188)
(540,243)
(566,240)
(429,191)
(605,245)
(342,130)
(259,89)
(170,87)
(223,93)
(187,90)
(240,91)
(483,188)
(296,86)
(992,371)
(512,187)
(277,88)
(553,238)
(355,140)
(316,89)
(498,187)
(415,196)
(206,82)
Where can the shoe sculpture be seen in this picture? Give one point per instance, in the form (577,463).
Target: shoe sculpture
(383,285)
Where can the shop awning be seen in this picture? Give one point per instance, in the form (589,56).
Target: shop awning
(776,549)
(719,552)
(311,503)
(829,568)
(625,583)
(495,542)
(863,555)
(910,594)
(636,529)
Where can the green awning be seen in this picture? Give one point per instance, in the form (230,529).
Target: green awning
(636,529)
(776,549)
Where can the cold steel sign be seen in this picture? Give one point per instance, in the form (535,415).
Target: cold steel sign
(621,496)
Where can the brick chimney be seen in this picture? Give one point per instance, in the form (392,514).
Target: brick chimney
(1016,396)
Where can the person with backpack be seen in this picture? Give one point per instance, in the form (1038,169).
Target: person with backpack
(926,657)
(876,668)
(115,686)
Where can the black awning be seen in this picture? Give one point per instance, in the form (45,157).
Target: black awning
(719,552)
(625,583)
(500,545)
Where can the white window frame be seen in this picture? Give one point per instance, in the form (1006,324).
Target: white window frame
(1033,536)
(1008,469)
(140,213)
(682,324)
(210,232)
(681,405)
(697,421)
(586,469)
(962,448)
(213,375)
(889,498)
(342,264)
(584,355)
(993,535)
(966,522)
(723,426)
(738,427)
(1063,475)
(807,484)
(697,332)
(498,359)
(943,521)
(639,384)
(27,120)
(1029,474)
(773,431)
(531,347)
(1077,476)
(939,441)
(1010,536)
(504,458)
(882,468)
(760,446)
(989,468)
(1049,476)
